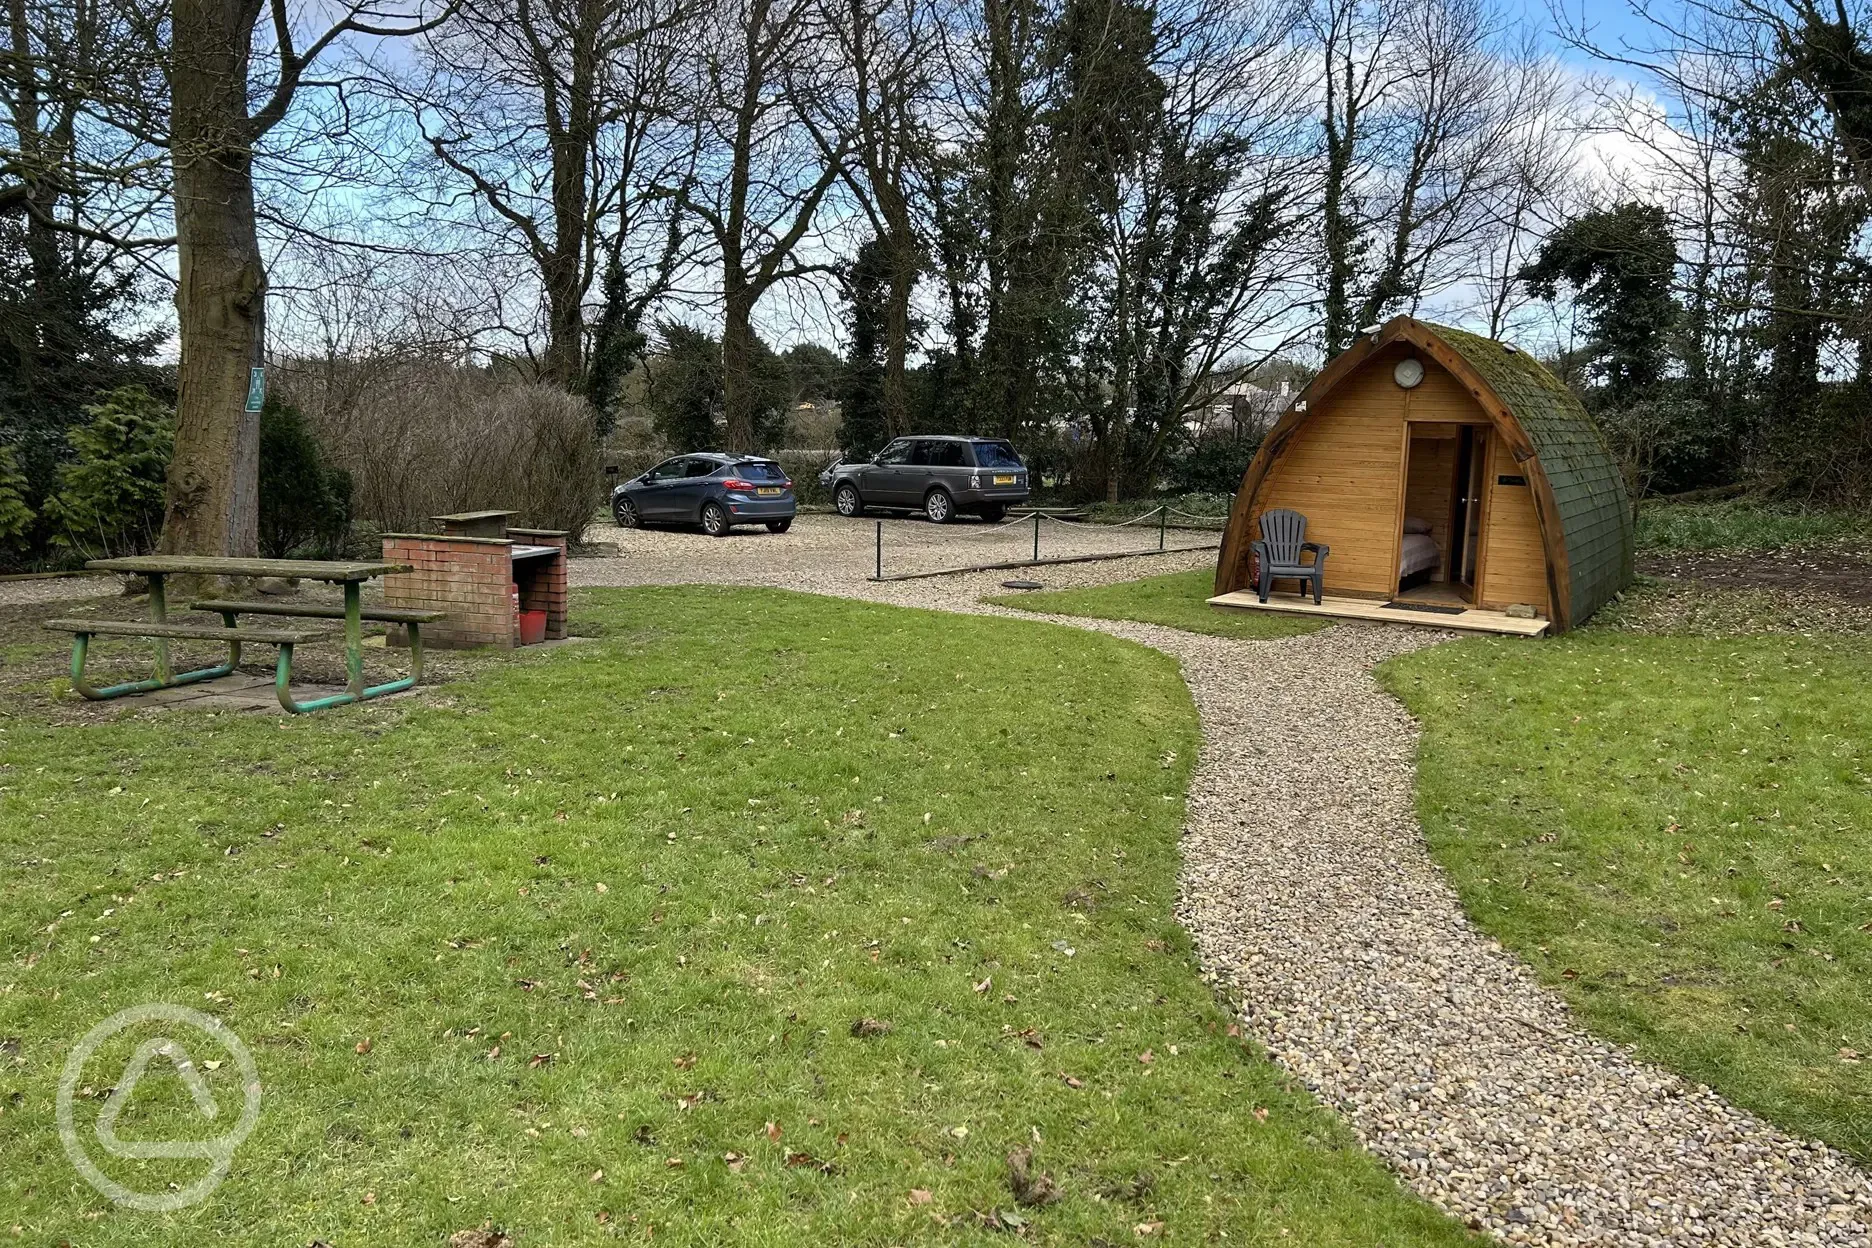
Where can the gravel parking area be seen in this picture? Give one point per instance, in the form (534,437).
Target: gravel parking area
(56,589)
(1316,906)
(830,554)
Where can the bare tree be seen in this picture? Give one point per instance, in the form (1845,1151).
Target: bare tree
(1421,111)
(555,114)
(883,105)
(764,175)
(1194,237)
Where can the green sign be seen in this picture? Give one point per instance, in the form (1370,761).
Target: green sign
(256,389)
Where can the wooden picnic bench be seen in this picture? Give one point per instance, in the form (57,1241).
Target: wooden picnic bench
(156,568)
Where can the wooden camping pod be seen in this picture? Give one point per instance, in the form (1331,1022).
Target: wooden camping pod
(1555,526)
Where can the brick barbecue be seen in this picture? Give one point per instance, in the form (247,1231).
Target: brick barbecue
(469,570)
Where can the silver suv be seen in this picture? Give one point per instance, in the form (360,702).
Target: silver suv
(937,475)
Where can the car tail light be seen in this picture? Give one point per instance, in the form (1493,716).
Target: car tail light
(736,483)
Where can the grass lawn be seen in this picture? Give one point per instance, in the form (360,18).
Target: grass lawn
(1676,832)
(764,919)
(1175,600)
(1742,526)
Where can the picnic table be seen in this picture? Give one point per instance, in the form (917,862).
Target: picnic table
(157,568)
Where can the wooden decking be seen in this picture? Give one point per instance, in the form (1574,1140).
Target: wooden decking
(1473,619)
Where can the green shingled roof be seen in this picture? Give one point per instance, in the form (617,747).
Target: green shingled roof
(1588,489)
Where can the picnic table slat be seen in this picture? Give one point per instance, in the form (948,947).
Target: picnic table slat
(319,611)
(215,565)
(185,632)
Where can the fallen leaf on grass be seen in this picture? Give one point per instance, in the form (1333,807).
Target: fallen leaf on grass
(370,1198)
(363,1046)
(1147,1057)
(483,1237)
(1002,1220)
(540,1059)
(597,1176)
(1074,1084)
(773,1130)
(1146,1228)
(735,1161)
(867,1027)
(1030,1188)
(921,1196)
(985,984)
(686,1061)
(1260,1113)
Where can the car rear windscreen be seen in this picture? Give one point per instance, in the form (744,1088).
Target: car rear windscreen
(996,455)
(759,470)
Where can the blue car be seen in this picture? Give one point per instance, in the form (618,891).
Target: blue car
(710,488)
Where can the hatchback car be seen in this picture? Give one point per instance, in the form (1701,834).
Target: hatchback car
(712,489)
(940,476)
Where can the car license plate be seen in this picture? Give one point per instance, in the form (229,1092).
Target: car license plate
(1004,479)
(768,491)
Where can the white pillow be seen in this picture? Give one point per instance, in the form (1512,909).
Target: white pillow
(1413,525)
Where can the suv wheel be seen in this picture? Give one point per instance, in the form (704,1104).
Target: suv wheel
(846,499)
(714,520)
(995,514)
(625,512)
(939,507)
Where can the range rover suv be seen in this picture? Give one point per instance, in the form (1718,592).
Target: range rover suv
(940,476)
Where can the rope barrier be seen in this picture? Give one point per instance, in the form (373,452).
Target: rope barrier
(1122,524)
(940,537)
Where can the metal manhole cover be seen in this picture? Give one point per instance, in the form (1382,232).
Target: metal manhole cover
(1022,585)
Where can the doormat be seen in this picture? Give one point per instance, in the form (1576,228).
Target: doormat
(1431,607)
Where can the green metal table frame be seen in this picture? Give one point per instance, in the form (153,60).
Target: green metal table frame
(167,678)
(355,689)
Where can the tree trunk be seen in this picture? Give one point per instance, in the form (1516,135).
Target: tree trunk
(904,262)
(738,389)
(564,269)
(212,498)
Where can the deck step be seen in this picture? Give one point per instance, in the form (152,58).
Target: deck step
(1471,620)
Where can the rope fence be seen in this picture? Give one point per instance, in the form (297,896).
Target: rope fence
(1031,554)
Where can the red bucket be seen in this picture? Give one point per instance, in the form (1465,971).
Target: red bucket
(532,627)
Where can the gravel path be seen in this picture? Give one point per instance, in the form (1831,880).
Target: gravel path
(56,588)
(1314,903)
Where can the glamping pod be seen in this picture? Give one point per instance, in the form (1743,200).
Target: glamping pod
(1452,477)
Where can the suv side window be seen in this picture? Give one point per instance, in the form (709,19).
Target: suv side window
(946,455)
(668,470)
(699,467)
(896,453)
